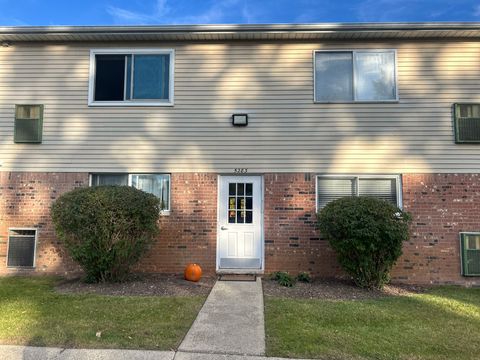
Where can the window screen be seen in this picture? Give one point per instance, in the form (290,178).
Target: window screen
(156,184)
(150,78)
(21,248)
(374,76)
(109,179)
(330,189)
(385,189)
(334,80)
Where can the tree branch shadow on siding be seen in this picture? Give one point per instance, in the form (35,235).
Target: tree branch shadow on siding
(286,130)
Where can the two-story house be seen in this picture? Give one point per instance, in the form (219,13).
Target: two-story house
(244,132)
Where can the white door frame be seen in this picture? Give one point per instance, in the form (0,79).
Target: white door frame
(262,227)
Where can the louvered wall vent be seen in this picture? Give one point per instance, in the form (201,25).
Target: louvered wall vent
(470,253)
(467,123)
(28,123)
(21,247)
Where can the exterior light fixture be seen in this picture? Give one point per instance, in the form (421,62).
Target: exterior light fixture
(240,119)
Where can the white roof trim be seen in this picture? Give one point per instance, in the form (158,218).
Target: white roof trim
(227,32)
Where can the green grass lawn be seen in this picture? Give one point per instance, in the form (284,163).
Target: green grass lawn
(32,313)
(441,324)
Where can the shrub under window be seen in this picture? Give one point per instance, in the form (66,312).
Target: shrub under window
(367,235)
(106,229)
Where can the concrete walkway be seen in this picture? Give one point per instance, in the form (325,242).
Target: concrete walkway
(230,322)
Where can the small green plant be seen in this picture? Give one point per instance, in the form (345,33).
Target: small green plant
(304,277)
(283,278)
(106,229)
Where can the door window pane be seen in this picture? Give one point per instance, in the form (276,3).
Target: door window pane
(240,217)
(156,184)
(109,77)
(238,203)
(333,76)
(150,77)
(249,203)
(249,217)
(374,76)
(240,189)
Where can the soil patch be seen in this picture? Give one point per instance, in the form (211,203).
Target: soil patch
(141,285)
(334,289)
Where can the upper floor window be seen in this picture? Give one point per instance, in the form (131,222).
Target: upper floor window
(131,77)
(351,76)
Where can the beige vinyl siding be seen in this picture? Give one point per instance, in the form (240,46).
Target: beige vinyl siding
(272,82)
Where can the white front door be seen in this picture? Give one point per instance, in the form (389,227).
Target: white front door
(240,223)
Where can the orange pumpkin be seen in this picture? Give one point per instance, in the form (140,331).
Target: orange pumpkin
(193,272)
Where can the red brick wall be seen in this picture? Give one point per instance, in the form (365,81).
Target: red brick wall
(441,205)
(25,199)
(292,242)
(189,233)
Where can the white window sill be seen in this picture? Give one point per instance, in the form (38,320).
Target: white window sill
(164,212)
(127,104)
(359,102)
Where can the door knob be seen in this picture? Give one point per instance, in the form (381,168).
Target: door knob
(224,228)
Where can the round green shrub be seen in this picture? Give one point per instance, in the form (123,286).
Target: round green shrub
(367,235)
(106,229)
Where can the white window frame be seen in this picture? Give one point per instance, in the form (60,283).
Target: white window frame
(34,249)
(133,51)
(129,183)
(398,184)
(353,51)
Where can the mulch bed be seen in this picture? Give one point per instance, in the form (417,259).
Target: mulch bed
(334,289)
(141,285)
